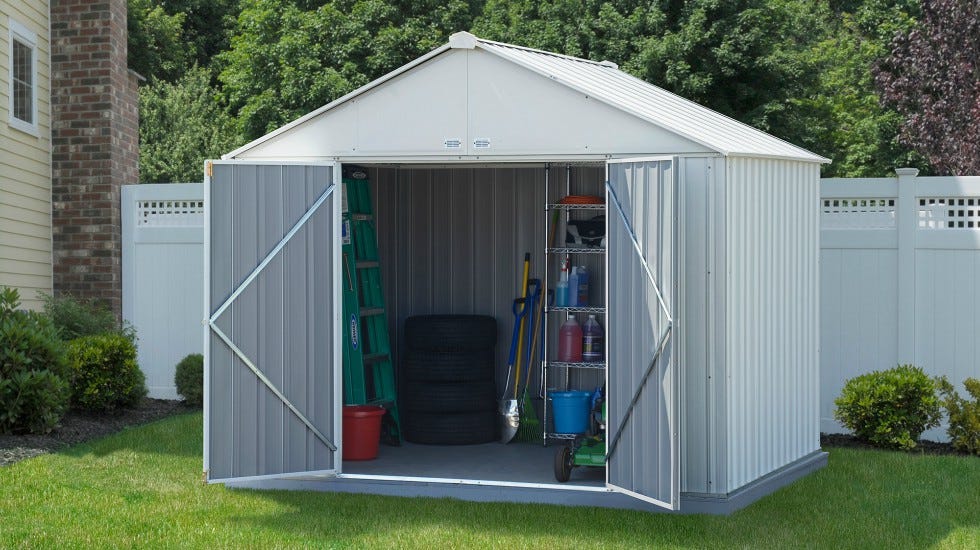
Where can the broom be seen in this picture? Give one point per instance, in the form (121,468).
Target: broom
(530,428)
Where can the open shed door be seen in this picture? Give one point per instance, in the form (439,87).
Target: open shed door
(272,256)
(642,380)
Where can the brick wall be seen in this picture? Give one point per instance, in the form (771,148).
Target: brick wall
(95,145)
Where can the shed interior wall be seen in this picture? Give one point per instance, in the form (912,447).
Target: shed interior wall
(452,240)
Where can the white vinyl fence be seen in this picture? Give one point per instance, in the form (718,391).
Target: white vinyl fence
(163,286)
(899,272)
(900,280)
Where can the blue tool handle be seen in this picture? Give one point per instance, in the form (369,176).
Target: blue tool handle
(518,315)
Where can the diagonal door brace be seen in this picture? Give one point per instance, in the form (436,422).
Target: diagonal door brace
(212,321)
(664,337)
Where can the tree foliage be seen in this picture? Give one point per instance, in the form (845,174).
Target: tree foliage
(156,41)
(182,124)
(932,77)
(289,57)
(844,118)
(798,69)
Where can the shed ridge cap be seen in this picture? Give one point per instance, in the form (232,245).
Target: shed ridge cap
(605,64)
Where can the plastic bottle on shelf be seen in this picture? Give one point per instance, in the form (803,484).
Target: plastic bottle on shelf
(593,339)
(582,290)
(561,294)
(570,341)
(572,286)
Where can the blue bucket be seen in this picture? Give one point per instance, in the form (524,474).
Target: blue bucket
(571,411)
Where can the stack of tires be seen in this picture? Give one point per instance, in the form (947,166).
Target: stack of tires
(447,390)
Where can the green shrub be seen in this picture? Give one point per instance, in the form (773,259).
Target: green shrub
(189,379)
(964,415)
(74,318)
(104,373)
(33,375)
(889,408)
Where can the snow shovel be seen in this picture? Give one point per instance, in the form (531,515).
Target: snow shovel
(510,414)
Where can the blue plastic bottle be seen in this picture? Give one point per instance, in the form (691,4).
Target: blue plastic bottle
(581,291)
(572,286)
(561,295)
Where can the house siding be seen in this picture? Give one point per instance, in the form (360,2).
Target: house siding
(25,165)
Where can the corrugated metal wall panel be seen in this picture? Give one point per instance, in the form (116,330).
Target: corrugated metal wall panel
(700,395)
(772,315)
(279,321)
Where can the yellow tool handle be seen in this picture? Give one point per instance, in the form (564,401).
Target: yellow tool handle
(520,334)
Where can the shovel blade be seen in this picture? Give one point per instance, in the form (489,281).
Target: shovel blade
(510,420)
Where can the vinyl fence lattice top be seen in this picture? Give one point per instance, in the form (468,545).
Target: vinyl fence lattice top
(170,213)
(857,213)
(949,213)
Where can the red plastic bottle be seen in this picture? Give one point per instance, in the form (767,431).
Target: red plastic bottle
(570,341)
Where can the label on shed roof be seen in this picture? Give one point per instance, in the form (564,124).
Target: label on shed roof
(481,143)
(453,143)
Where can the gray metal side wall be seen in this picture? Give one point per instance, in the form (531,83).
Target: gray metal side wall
(452,240)
(283,322)
(645,460)
(771,316)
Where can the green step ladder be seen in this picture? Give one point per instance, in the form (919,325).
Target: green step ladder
(369,376)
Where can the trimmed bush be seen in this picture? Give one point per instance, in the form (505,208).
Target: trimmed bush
(33,375)
(74,318)
(964,415)
(889,408)
(189,379)
(104,373)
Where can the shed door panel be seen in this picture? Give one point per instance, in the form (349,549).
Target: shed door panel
(642,393)
(271,397)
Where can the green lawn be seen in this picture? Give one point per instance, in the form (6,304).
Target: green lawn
(143,487)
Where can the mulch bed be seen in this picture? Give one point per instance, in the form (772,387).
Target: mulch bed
(924,447)
(77,427)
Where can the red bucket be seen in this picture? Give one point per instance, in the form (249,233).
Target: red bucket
(362,431)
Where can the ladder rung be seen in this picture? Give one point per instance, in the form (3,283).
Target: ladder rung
(375,358)
(364,264)
(370,311)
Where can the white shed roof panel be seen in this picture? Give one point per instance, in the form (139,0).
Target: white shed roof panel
(656,105)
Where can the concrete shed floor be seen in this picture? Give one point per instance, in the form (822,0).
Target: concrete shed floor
(520,462)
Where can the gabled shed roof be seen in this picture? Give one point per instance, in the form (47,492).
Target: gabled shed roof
(604,82)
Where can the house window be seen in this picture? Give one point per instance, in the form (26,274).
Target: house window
(23,78)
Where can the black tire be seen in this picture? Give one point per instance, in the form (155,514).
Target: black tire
(563,463)
(470,428)
(451,332)
(449,398)
(441,366)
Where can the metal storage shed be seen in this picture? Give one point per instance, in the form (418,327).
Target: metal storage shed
(712,240)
